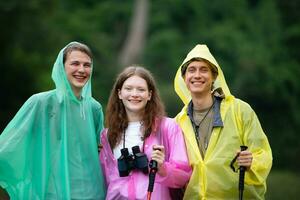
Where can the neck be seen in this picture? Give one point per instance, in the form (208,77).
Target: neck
(77,93)
(133,117)
(78,96)
(203,102)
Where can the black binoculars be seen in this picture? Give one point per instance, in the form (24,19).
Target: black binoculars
(128,162)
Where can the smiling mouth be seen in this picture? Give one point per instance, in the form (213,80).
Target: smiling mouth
(80,78)
(134,101)
(197,82)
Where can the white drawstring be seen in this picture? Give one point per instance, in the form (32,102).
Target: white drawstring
(82,113)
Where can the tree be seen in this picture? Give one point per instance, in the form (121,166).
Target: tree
(135,40)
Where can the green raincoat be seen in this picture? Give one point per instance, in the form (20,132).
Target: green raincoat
(49,149)
(212,177)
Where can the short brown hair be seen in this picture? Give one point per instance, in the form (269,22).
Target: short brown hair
(213,68)
(77,46)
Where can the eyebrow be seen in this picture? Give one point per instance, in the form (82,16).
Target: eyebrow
(201,66)
(72,61)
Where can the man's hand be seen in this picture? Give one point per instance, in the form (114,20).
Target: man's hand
(244,158)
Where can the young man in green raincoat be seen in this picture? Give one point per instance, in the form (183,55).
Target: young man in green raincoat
(49,149)
(215,125)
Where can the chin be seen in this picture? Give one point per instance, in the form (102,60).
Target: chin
(80,85)
(196,91)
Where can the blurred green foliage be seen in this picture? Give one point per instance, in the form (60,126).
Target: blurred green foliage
(283,185)
(256,42)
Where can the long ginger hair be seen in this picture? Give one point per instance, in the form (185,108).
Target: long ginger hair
(116,119)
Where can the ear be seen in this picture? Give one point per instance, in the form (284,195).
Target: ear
(150,95)
(213,85)
(183,77)
(119,94)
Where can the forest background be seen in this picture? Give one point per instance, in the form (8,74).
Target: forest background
(256,43)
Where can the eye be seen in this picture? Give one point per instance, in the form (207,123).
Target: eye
(204,69)
(87,65)
(75,63)
(191,69)
(141,89)
(128,88)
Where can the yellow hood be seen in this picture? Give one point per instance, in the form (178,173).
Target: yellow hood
(199,51)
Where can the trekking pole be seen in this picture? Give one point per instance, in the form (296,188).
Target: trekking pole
(242,177)
(153,169)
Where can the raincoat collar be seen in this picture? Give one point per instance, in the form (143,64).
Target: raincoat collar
(199,51)
(63,87)
(217,120)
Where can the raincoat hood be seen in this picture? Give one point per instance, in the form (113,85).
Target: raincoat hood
(199,51)
(63,87)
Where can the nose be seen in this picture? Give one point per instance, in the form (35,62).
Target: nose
(81,68)
(135,93)
(197,74)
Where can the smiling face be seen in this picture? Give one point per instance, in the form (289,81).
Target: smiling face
(199,78)
(134,95)
(78,70)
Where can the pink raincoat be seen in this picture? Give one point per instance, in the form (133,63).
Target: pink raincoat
(135,185)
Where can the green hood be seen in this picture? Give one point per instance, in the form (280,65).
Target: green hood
(62,84)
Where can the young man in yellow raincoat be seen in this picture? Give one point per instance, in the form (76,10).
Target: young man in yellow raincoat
(215,125)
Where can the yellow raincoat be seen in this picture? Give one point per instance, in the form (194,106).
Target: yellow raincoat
(212,177)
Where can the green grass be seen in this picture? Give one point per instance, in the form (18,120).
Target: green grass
(283,185)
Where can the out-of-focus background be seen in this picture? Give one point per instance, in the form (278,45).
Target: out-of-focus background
(256,42)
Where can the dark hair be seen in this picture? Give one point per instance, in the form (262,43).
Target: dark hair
(212,67)
(77,46)
(116,118)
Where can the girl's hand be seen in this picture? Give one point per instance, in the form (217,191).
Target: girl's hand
(158,154)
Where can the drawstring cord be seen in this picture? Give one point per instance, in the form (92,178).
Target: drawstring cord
(82,113)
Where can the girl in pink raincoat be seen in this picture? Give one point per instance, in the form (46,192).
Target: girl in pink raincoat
(135,117)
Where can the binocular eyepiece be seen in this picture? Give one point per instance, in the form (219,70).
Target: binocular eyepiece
(128,162)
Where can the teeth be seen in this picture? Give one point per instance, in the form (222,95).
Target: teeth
(134,101)
(80,77)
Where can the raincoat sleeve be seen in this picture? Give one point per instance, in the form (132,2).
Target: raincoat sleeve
(257,142)
(176,160)
(104,157)
(14,139)
(98,118)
